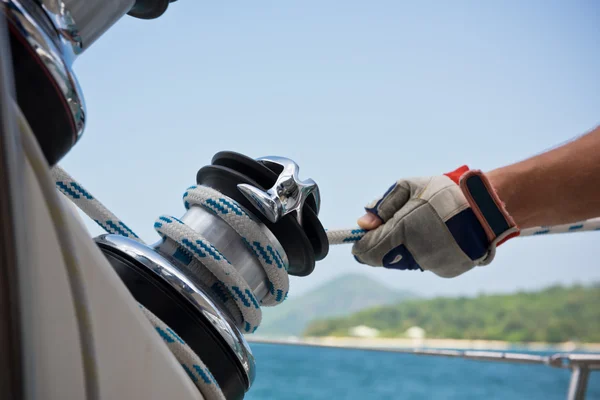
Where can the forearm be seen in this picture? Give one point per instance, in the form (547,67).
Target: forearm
(558,187)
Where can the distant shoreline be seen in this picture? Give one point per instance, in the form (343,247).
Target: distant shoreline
(399,343)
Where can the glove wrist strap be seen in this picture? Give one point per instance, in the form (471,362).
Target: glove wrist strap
(490,211)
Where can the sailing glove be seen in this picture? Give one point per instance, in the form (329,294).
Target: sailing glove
(446,224)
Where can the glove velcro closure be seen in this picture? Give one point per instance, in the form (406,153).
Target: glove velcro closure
(489,210)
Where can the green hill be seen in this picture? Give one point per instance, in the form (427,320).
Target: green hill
(556,314)
(341,296)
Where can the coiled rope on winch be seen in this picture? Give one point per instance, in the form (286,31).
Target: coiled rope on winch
(213,269)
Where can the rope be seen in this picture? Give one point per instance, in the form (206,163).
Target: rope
(343,236)
(191,363)
(354,235)
(583,226)
(89,205)
(211,267)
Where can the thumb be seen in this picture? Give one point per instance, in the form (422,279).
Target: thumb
(369,221)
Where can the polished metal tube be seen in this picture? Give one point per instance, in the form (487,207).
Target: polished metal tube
(578,383)
(93,17)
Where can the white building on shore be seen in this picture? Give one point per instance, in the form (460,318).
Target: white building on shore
(363,331)
(415,332)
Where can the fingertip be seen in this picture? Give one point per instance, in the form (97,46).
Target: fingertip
(369,221)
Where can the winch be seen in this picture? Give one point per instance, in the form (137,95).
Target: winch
(46,36)
(249,223)
(258,219)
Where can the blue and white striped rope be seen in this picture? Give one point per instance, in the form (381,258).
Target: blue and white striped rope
(190,362)
(227,276)
(345,236)
(583,226)
(90,205)
(249,230)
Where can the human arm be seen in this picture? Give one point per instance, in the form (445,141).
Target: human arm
(450,223)
(560,186)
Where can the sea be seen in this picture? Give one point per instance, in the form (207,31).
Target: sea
(302,372)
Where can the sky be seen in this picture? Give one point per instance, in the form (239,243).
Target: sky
(359,94)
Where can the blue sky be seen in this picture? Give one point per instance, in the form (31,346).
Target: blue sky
(360,94)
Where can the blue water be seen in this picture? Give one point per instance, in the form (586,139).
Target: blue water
(297,372)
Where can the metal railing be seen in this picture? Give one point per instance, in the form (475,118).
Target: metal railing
(580,364)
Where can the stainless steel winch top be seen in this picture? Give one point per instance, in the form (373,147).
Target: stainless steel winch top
(287,195)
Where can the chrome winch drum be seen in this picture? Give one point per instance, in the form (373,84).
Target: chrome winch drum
(284,208)
(46,36)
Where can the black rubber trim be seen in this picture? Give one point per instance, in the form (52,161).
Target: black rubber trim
(316,234)
(175,311)
(265,174)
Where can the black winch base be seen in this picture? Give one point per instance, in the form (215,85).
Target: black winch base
(174,310)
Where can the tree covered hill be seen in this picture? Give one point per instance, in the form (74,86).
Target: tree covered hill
(341,296)
(555,314)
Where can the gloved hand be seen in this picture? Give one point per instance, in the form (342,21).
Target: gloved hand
(446,224)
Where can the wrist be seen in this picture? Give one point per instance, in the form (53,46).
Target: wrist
(508,183)
(505,188)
